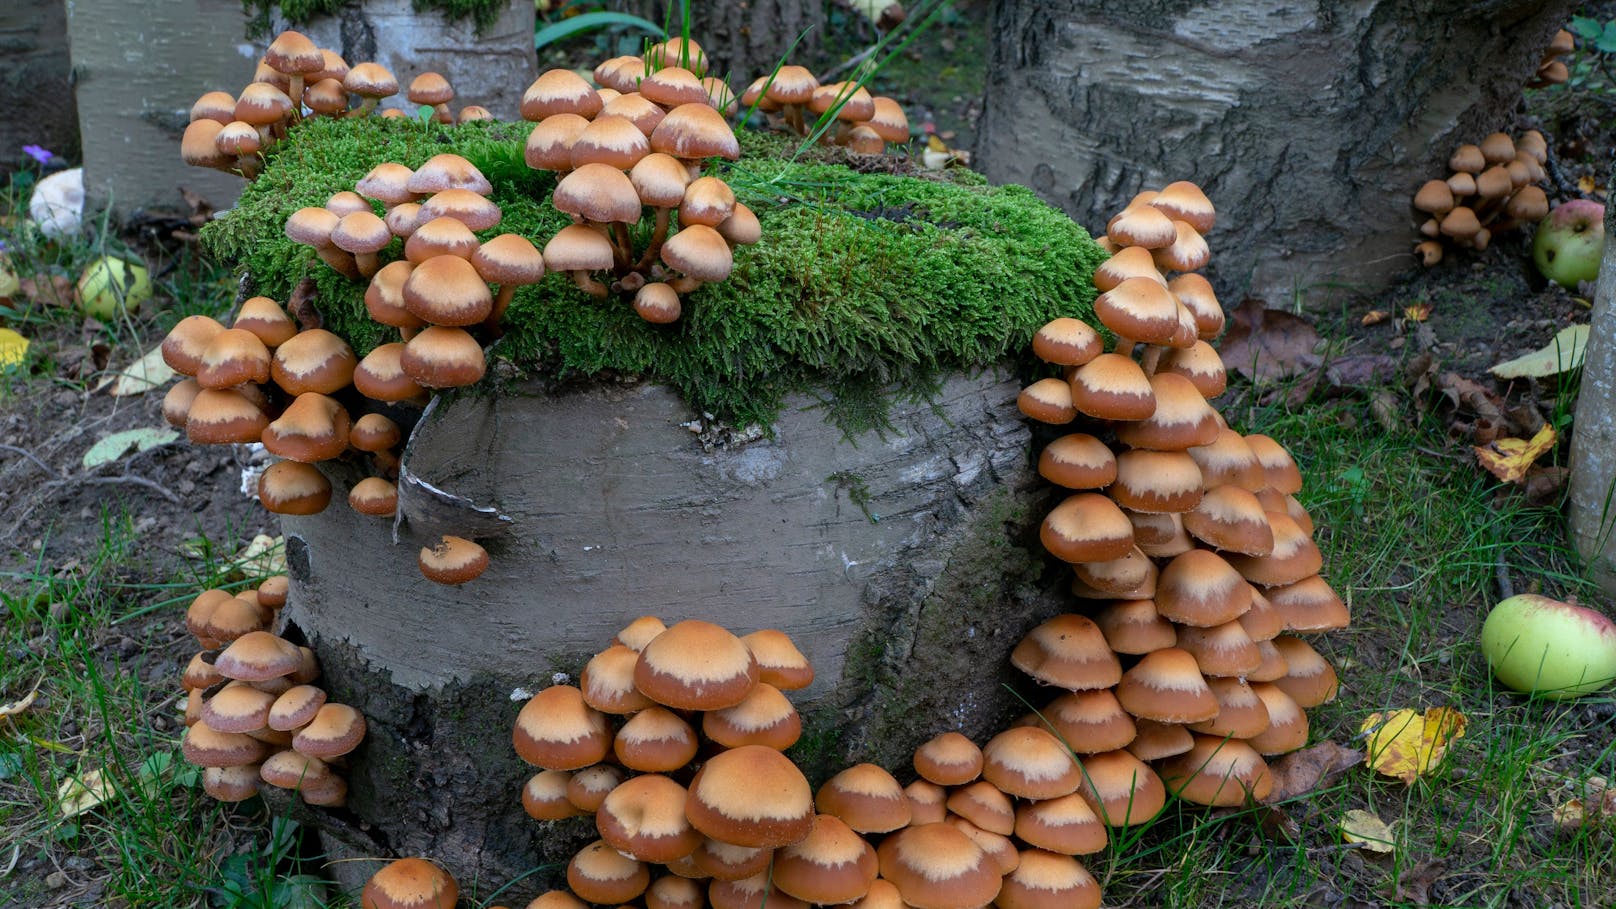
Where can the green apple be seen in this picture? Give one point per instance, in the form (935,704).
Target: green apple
(1570,241)
(1553,649)
(110,287)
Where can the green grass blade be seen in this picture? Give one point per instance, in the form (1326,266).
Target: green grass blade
(586,22)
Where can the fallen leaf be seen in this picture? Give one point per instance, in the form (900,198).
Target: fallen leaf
(19,706)
(1596,805)
(1374,317)
(52,290)
(1570,815)
(264,556)
(1562,354)
(13,348)
(1267,345)
(1418,312)
(1359,826)
(1544,485)
(79,794)
(8,280)
(1509,459)
(1301,772)
(1414,885)
(1361,371)
(1406,744)
(1586,184)
(141,376)
(112,447)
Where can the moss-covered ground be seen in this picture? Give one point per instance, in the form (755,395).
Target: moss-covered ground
(862,280)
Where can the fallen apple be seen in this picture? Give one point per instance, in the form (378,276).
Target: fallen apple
(1570,241)
(1543,646)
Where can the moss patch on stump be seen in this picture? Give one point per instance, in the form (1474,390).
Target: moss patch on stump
(863,281)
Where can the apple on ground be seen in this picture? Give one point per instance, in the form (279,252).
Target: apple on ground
(1570,241)
(1557,650)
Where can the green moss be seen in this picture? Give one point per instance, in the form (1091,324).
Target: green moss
(863,281)
(297,12)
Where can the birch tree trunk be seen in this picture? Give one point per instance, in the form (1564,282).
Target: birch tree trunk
(1593,444)
(1310,125)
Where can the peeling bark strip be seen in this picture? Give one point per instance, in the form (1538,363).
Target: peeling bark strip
(1307,124)
(903,565)
(1593,445)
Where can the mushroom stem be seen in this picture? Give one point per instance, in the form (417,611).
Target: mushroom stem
(793,115)
(342,262)
(629,283)
(1124,346)
(441,113)
(295,92)
(1151,359)
(684,284)
(589,285)
(366,105)
(658,234)
(247,166)
(368,263)
(502,301)
(622,245)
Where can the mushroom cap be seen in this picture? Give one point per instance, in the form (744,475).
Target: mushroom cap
(1184,201)
(293,487)
(222,415)
(728,862)
(236,139)
(1262,622)
(1241,714)
(1141,225)
(448,171)
(1167,686)
(447,290)
(577,248)
(660,180)
(672,86)
(699,252)
(233,357)
(313,428)
(889,121)
(677,51)
(1048,880)
(440,236)
(1068,651)
(936,866)
(1200,364)
(463,205)
(655,740)
(984,806)
(454,560)
(1187,252)
(556,730)
(370,80)
(380,376)
(765,717)
(205,746)
(410,883)
(1294,557)
(231,784)
(294,54)
(1139,309)
(1047,401)
(295,707)
(1434,197)
(1229,460)
(1088,721)
(707,200)
(1086,527)
(644,113)
(1231,519)
(1309,605)
(588,787)
(1195,292)
(1309,679)
(1182,418)
(832,864)
(1133,576)
(185,343)
(1067,825)
(374,432)
(696,665)
(444,357)
(779,661)
(1112,387)
(927,802)
(374,496)
(695,131)
(1122,789)
(1125,263)
(1078,461)
(1158,740)
(544,797)
(866,797)
(1218,771)
(265,319)
(751,796)
(314,360)
(597,192)
(644,817)
(1203,589)
(559,91)
(509,259)
(387,183)
(430,88)
(674,892)
(621,73)
(601,874)
(607,682)
(238,707)
(852,101)
(1157,481)
(549,145)
(217,106)
(1067,342)
(261,104)
(1030,762)
(257,656)
(636,634)
(335,730)
(1287,721)
(949,759)
(611,140)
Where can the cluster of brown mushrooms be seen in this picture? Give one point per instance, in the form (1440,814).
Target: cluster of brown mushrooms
(1551,68)
(865,125)
(232,133)
(1493,188)
(293,388)
(252,714)
(631,151)
(693,780)
(1193,564)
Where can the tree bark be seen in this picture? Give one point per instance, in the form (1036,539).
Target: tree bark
(745,39)
(1309,125)
(1593,444)
(34,77)
(903,564)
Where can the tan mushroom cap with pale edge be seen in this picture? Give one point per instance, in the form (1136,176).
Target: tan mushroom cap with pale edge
(559,91)
(549,144)
(1157,481)
(544,796)
(185,343)
(694,132)
(238,707)
(1112,387)
(233,357)
(611,140)
(655,740)
(218,416)
(1231,519)
(314,427)
(265,319)
(1182,418)
(1068,651)
(1201,588)
(447,290)
(444,356)
(699,252)
(751,796)
(295,488)
(410,883)
(600,874)
(779,661)
(644,818)
(766,717)
(672,86)
(1067,342)
(1048,880)
(556,730)
(1088,721)
(1087,527)
(1218,772)
(1185,201)
(949,759)
(696,665)
(867,798)
(205,746)
(315,360)
(295,707)
(258,656)
(984,806)
(597,192)
(1030,762)
(375,497)
(380,376)
(1141,225)
(1047,401)
(453,560)
(1167,686)
(832,864)
(335,730)
(448,171)
(936,866)
(1078,461)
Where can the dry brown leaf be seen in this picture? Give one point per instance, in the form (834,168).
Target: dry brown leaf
(1267,345)
(1375,317)
(18,707)
(79,794)
(1406,744)
(52,290)
(1510,459)
(1414,885)
(1301,772)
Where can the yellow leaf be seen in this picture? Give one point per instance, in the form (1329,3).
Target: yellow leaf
(77,795)
(1562,354)
(13,347)
(1405,744)
(1509,459)
(1419,312)
(264,556)
(1570,815)
(1358,826)
(17,707)
(1586,184)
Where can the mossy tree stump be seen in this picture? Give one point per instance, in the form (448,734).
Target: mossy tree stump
(874,497)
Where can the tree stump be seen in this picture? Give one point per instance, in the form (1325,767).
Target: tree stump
(1309,125)
(903,563)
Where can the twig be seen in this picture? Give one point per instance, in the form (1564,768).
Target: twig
(30,456)
(1506,588)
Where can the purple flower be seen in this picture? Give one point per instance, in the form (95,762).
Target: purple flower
(39,153)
